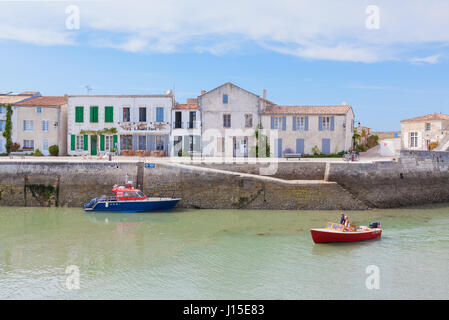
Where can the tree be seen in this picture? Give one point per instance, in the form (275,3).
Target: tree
(8,128)
(262,141)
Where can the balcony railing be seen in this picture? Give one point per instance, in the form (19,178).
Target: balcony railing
(186,125)
(144,126)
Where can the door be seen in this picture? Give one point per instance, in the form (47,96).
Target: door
(178,120)
(300,146)
(93,145)
(326,149)
(279,148)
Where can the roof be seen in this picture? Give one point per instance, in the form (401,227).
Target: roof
(11,98)
(231,85)
(341,109)
(44,101)
(185,106)
(428,117)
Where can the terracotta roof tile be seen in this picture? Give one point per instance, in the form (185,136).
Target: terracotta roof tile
(342,109)
(428,117)
(44,102)
(185,106)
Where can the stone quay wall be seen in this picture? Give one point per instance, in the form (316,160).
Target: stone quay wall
(418,177)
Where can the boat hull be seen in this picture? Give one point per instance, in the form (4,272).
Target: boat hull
(326,235)
(133,206)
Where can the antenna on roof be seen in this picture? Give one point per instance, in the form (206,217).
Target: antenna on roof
(88,88)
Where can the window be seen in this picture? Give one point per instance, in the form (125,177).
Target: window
(45,125)
(126,114)
(2,125)
(300,123)
(109,142)
(192,119)
(79,142)
(225,98)
(277,122)
(2,110)
(414,139)
(126,142)
(94,114)
(45,145)
(326,123)
(28,125)
(159,114)
(79,114)
(248,120)
(143,114)
(226,121)
(428,125)
(38,109)
(159,142)
(142,143)
(109,114)
(28,144)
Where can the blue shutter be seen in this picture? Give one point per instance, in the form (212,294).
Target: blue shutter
(300,146)
(306,125)
(166,144)
(272,123)
(159,114)
(150,142)
(284,123)
(332,123)
(294,123)
(135,143)
(320,123)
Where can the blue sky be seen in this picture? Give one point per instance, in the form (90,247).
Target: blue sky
(302,52)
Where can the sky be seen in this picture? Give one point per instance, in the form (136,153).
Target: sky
(390,61)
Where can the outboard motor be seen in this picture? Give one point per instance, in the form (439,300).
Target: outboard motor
(91,203)
(374,225)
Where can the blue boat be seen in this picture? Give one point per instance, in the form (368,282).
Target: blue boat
(129,200)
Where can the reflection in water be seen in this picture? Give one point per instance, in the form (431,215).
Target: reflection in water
(219,254)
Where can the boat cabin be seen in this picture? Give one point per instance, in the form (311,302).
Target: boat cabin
(128,193)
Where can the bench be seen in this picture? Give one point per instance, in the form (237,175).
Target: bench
(17,153)
(292,155)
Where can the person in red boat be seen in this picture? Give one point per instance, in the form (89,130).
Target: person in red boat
(342,219)
(347,224)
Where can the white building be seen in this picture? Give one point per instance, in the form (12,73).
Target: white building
(10,99)
(40,123)
(309,129)
(426,132)
(186,129)
(128,124)
(229,115)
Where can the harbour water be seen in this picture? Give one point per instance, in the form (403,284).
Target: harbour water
(219,254)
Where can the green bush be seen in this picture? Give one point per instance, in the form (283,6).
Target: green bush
(37,153)
(54,150)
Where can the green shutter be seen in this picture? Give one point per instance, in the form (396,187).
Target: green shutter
(72,142)
(115,142)
(108,114)
(79,114)
(86,142)
(93,114)
(102,142)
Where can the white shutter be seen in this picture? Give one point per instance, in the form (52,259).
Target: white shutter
(419,140)
(405,138)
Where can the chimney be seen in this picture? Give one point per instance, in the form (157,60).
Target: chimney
(265,94)
(203,92)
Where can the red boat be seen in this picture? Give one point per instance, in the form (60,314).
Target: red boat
(335,232)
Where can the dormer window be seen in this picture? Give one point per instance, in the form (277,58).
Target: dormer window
(225,98)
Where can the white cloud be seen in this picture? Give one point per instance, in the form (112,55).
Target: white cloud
(311,29)
(430,59)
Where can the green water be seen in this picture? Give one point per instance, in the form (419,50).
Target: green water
(219,254)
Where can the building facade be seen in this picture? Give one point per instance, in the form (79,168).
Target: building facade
(39,123)
(229,115)
(425,132)
(308,129)
(186,129)
(10,99)
(126,124)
